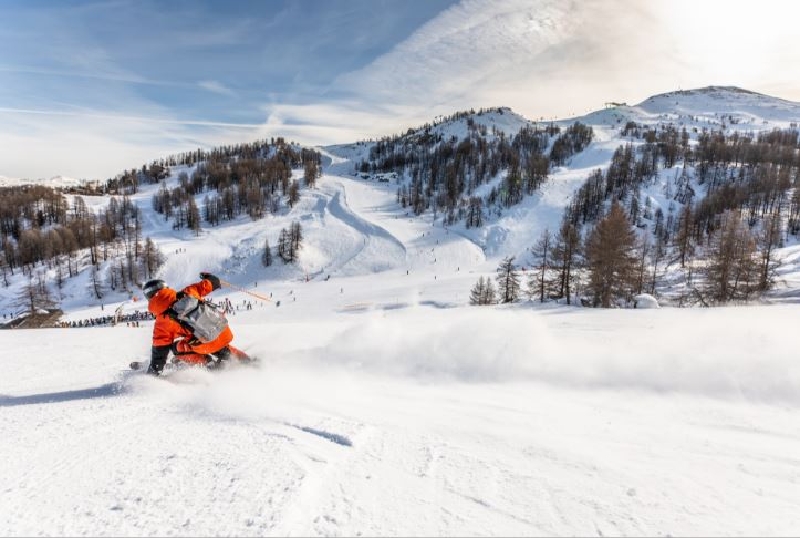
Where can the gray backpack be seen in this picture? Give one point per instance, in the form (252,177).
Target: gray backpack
(203,319)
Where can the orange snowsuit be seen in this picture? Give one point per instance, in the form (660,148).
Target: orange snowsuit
(166,330)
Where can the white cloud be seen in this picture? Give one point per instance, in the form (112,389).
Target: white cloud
(550,58)
(36,144)
(544,58)
(216,87)
(533,56)
(337,122)
(121,118)
(462,49)
(446,65)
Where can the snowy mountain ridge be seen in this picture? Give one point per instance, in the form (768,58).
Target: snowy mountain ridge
(709,107)
(712,104)
(55,182)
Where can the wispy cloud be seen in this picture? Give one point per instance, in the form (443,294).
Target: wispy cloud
(120,118)
(337,122)
(474,54)
(89,144)
(551,58)
(216,87)
(102,95)
(128,78)
(461,52)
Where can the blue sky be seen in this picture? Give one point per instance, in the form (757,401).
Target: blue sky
(106,85)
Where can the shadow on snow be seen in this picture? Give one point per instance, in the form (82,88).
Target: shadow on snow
(101,391)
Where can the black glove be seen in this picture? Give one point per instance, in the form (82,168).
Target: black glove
(215,284)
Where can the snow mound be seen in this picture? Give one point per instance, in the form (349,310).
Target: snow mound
(645,300)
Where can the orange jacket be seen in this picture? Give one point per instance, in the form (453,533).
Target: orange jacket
(166,330)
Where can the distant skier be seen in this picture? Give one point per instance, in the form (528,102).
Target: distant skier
(192,329)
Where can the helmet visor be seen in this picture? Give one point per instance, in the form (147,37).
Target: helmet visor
(152,287)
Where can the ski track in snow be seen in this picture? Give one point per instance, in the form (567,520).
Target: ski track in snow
(375,237)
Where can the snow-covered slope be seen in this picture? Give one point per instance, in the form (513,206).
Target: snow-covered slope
(386,406)
(375,413)
(519,227)
(709,107)
(355,227)
(502,119)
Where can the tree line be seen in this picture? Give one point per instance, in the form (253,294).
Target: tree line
(620,241)
(255,185)
(442,174)
(552,276)
(611,264)
(42,232)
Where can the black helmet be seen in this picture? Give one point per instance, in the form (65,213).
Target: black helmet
(152,287)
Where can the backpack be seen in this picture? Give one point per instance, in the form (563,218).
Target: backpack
(203,319)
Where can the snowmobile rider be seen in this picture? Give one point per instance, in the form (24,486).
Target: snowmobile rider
(170,335)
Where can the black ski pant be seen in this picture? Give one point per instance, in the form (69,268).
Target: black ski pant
(158,358)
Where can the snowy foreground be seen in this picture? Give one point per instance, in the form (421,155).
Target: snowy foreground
(413,420)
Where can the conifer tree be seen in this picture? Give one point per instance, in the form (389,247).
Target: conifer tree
(609,253)
(284,246)
(266,255)
(193,217)
(310,173)
(769,240)
(566,248)
(294,193)
(537,284)
(295,239)
(490,294)
(683,239)
(508,281)
(478,293)
(733,271)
